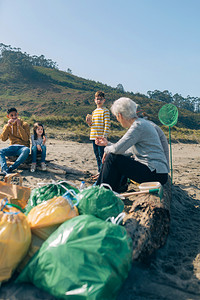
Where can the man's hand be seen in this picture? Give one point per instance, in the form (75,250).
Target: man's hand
(11,122)
(101,141)
(39,148)
(18,121)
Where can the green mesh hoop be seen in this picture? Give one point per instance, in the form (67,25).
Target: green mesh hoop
(168,115)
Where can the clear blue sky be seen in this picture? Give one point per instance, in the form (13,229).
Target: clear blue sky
(142,44)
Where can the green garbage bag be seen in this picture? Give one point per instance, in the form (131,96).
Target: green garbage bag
(85,258)
(100,202)
(46,192)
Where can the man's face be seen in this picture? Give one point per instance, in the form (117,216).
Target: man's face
(13,115)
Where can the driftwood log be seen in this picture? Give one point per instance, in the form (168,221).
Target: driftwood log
(69,170)
(147,221)
(51,167)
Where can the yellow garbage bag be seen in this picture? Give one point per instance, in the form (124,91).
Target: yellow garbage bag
(15,238)
(47,215)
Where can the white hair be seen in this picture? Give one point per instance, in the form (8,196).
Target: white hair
(126,107)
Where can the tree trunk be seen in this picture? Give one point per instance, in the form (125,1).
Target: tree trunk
(147,221)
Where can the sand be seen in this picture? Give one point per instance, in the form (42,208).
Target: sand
(173,271)
(186,161)
(80,157)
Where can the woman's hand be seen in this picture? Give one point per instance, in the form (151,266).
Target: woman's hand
(104,157)
(101,141)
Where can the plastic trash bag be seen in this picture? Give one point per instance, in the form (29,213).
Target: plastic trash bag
(47,216)
(44,232)
(85,258)
(36,243)
(100,202)
(15,239)
(46,192)
(58,209)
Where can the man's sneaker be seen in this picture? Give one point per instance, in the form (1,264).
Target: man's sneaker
(43,166)
(3,173)
(10,171)
(33,167)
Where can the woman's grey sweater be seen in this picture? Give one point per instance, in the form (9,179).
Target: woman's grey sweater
(142,141)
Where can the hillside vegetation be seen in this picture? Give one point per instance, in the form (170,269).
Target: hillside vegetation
(61,100)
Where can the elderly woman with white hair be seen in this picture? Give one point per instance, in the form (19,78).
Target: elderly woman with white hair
(138,155)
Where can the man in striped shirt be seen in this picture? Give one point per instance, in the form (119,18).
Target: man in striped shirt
(99,122)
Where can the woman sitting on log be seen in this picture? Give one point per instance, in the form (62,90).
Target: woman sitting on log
(162,137)
(138,155)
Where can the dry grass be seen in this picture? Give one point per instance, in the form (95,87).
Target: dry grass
(75,128)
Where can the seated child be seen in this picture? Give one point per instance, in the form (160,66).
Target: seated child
(38,140)
(18,132)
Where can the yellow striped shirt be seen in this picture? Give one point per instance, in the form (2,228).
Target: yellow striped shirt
(100,123)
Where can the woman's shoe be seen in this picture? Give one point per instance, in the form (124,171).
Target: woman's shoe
(43,166)
(33,167)
(122,188)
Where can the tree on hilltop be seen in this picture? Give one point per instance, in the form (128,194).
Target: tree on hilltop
(164,96)
(14,61)
(9,55)
(120,88)
(69,71)
(189,103)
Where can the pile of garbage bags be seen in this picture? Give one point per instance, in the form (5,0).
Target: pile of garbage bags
(67,242)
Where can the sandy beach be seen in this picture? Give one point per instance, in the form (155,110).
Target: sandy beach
(173,271)
(80,157)
(186,160)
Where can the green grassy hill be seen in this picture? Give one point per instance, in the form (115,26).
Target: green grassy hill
(61,101)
